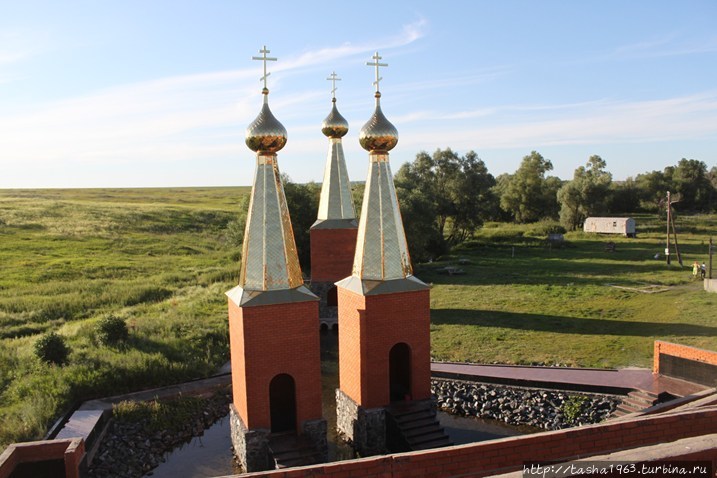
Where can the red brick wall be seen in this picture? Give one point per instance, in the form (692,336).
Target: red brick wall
(332,253)
(236,355)
(270,340)
(71,451)
(682,351)
(509,454)
(377,323)
(352,308)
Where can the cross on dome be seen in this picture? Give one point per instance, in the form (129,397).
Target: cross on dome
(376,63)
(333,79)
(264,58)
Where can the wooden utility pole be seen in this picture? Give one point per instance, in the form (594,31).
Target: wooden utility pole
(671,223)
(667,246)
(711,251)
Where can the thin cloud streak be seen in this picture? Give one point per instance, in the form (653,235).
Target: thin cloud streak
(410,33)
(169,119)
(683,118)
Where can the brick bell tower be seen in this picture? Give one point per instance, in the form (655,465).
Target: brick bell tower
(384,311)
(274,338)
(333,235)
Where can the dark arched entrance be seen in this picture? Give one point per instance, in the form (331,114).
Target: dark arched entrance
(399,369)
(332,297)
(282,403)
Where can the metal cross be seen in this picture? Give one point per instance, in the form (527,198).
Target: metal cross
(333,79)
(264,58)
(377,64)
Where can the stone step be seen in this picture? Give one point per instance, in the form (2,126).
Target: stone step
(431,436)
(640,397)
(418,425)
(414,417)
(418,431)
(421,422)
(288,450)
(636,404)
(622,410)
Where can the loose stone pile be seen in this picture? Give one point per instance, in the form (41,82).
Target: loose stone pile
(551,410)
(130,449)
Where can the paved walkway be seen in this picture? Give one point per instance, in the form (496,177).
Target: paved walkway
(585,379)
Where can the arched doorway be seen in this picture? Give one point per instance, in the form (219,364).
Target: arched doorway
(282,403)
(332,297)
(399,367)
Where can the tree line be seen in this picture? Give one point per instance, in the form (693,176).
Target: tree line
(445,197)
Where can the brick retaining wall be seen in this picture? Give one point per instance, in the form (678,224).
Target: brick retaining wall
(509,454)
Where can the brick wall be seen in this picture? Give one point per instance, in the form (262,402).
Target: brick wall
(682,351)
(332,253)
(369,326)
(71,451)
(509,454)
(270,340)
(352,308)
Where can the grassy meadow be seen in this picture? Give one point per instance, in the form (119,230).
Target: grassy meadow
(162,259)
(524,302)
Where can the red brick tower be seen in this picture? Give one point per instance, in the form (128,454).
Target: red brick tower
(333,235)
(384,311)
(274,338)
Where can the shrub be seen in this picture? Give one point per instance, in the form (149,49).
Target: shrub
(573,407)
(51,348)
(112,330)
(544,228)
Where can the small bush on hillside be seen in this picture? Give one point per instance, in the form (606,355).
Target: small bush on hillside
(112,330)
(235,233)
(51,348)
(543,228)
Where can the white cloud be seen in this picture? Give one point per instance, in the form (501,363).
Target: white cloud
(174,119)
(670,44)
(681,118)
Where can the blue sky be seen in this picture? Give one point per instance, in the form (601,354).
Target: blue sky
(159,93)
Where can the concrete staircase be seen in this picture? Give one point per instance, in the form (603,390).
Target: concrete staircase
(635,401)
(288,450)
(413,426)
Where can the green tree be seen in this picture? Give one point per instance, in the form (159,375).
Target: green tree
(691,181)
(652,188)
(303,203)
(444,198)
(586,195)
(624,197)
(528,195)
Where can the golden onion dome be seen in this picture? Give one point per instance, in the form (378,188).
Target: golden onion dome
(335,125)
(378,134)
(266,134)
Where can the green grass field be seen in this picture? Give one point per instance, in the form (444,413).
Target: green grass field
(522,302)
(163,258)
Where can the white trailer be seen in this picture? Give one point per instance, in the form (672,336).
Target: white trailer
(610,225)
